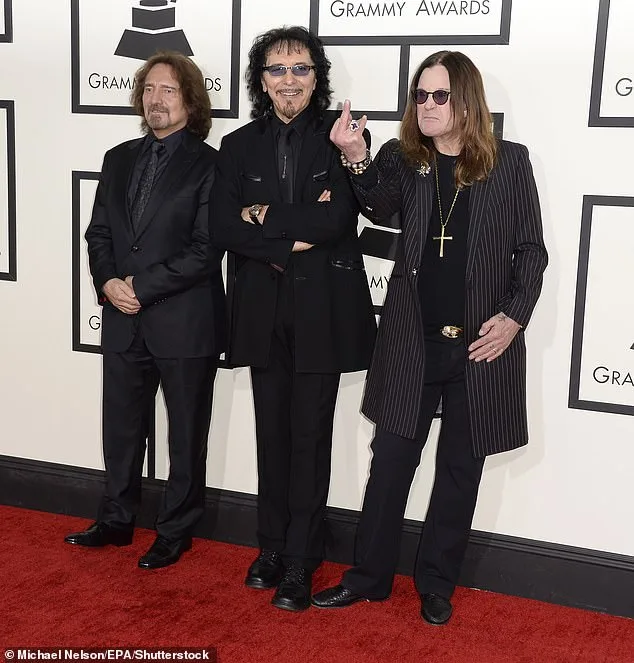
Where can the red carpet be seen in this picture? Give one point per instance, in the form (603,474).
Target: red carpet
(53,595)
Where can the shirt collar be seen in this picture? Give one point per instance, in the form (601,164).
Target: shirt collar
(298,123)
(171,142)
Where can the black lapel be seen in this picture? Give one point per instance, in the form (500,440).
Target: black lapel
(121,179)
(311,145)
(478,203)
(424,191)
(176,169)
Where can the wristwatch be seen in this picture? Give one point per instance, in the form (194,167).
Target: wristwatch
(254,212)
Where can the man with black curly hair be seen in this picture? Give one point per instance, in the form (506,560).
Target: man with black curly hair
(301,311)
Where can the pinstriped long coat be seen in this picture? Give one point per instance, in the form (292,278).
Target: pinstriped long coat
(506,258)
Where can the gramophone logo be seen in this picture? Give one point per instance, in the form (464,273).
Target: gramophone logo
(153,29)
(111,38)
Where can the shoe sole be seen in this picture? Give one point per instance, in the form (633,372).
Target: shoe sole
(186,547)
(118,544)
(344,605)
(287,605)
(435,622)
(255,584)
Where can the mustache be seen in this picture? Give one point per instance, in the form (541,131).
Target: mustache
(159,108)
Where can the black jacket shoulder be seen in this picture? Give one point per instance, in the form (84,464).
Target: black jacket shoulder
(509,150)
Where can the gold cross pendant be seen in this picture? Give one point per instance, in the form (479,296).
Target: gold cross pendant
(442,239)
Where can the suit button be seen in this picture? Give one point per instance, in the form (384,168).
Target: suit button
(135,248)
(283,235)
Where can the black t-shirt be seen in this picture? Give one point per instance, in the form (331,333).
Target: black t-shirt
(441,281)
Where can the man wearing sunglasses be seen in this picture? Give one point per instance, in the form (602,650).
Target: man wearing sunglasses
(301,311)
(466,278)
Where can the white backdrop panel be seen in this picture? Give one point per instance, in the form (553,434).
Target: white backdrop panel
(617,97)
(4,191)
(607,364)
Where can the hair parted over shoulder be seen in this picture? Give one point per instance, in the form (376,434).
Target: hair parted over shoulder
(192,88)
(289,39)
(479,145)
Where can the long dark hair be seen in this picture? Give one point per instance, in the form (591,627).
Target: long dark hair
(289,39)
(192,84)
(479,146)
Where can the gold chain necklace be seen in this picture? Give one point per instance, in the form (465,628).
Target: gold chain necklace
(443,223)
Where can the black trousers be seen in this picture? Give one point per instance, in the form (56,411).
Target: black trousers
(294,415)
(130,383)
(447,525)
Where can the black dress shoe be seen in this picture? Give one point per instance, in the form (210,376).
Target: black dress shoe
(164,552)
(336,597)
(435,609)
(266,571)
(293,592)
(99,535)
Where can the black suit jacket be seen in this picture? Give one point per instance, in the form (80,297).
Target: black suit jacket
(506,258)
(334,319)
(177,277)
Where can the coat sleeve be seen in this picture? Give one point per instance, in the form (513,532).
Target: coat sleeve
(529,254)
(183,269)
(99,235)
(227,229)
(378,189)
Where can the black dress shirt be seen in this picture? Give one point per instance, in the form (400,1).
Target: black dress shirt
(171,142)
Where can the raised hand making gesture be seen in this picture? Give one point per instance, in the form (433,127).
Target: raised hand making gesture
(347,134)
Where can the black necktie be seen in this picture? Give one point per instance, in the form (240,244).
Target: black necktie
(285,163)
(145,184)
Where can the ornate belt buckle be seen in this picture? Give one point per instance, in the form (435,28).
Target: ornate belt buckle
(450,331)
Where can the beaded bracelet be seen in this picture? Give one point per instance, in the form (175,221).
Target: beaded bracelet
(357,167)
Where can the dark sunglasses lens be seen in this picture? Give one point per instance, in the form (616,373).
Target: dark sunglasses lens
(440,97)
(297,69)
(420,96)
(300,69)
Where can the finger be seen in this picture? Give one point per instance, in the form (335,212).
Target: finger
(479,343)
(481,355)
(324,196)
(490,351)
(494,354)
(363,120)
(345,113)
(127,302)
(127,290)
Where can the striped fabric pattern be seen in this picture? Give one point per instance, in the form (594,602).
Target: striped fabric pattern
(505,262)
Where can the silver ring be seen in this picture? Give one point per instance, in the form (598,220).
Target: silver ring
(353,126)
(493,347)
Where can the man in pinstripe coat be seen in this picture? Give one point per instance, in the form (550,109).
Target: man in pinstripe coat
(466,278)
